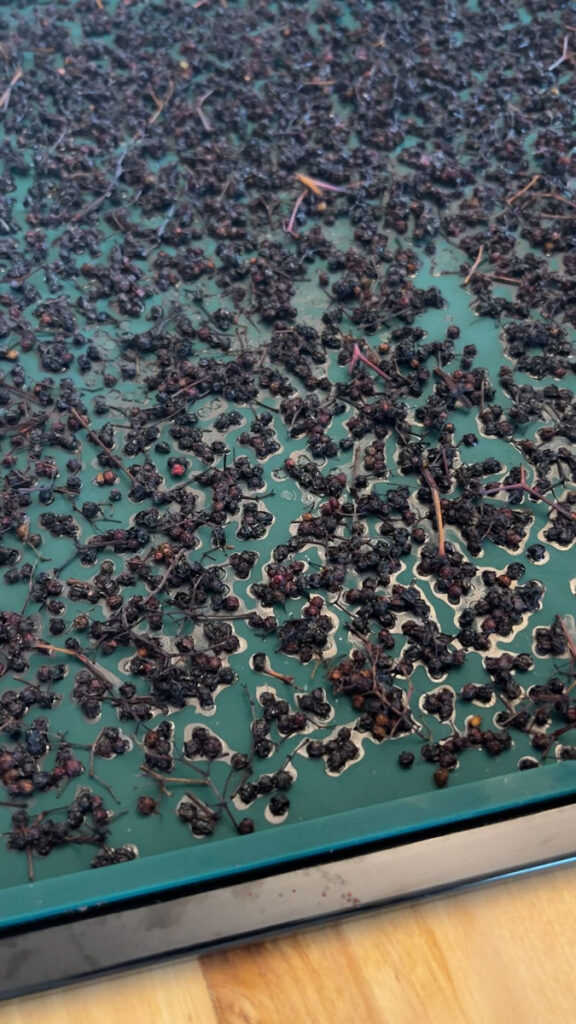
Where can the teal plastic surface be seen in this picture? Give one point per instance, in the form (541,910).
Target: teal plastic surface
(373,799)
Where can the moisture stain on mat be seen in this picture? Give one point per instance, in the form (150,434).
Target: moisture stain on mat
(286,390)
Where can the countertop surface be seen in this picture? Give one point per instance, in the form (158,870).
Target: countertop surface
(501,952)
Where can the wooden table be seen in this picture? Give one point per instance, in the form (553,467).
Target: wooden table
(501,954)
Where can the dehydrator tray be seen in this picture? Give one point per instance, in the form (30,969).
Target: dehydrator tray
(287,473)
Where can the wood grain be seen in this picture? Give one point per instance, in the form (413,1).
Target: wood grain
(168,994)
(502,954)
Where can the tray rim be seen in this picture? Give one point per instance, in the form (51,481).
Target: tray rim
(194,922)
(207,864)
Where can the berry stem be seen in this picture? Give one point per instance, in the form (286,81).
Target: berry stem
(569,641)
(531,183)
(316,186)
(564,56)
(163,779)
(260,664)
(475,265)
(437,509)
(5,97)
(173,562)
(523,486)
(278,675)
(358,356)
(41,645)
(94,436)
(290,225)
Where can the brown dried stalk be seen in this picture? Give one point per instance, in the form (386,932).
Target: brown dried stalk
(160,104)
(163,779)
(43,646)
(475,265)
(437,509)
(569,641)
(5,97)
(94,436)
(523,486)
(358,356)
(531,183)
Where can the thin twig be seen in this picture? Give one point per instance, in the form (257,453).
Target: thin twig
(166,575)
(501,279)
(160,104)
(451,384)
(554,195)
(567,637)
(556,216)
(523,486)
(290,225)
(90,207)
(437,509)
(564,55)
(163,779)
(5,97)
(316,186)
(42,646)
(358,356)
(266,671)
(531,183)
(91,433)
(203,118)
(475,265)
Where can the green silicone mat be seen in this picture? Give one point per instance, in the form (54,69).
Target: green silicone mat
(279,279)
